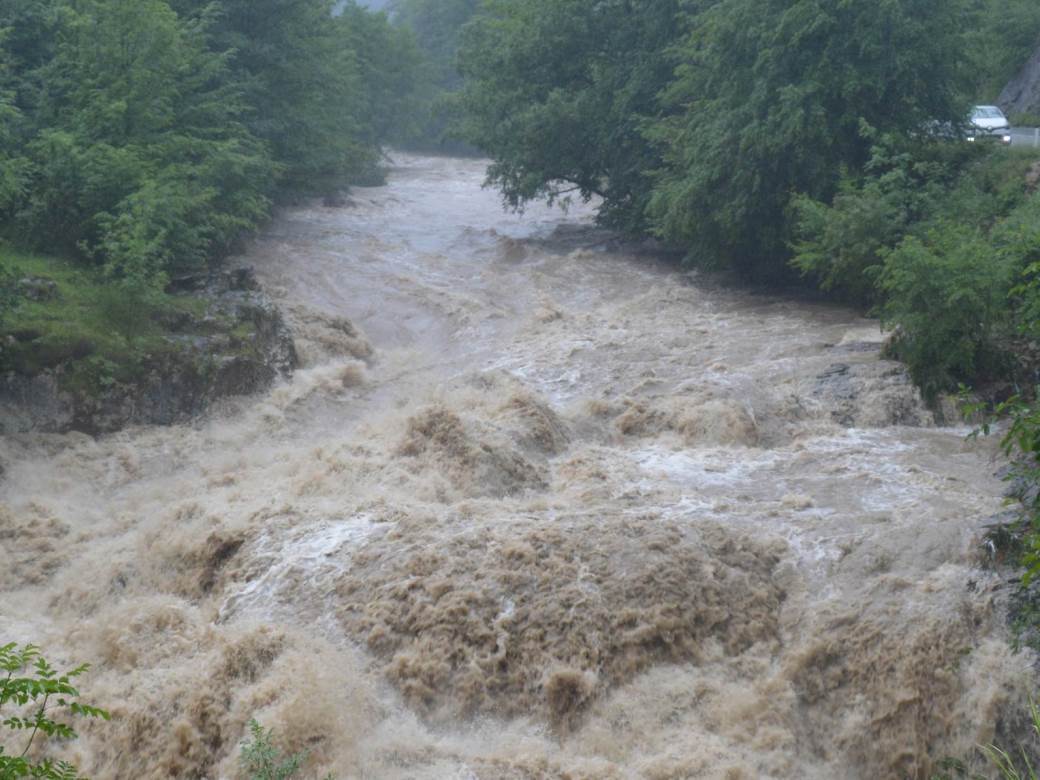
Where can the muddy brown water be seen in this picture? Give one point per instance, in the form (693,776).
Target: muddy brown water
(537,505)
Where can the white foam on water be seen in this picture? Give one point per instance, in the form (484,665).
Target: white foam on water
(301,562)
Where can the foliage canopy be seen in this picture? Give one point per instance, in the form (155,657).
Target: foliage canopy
(558,92)
(776,98)
(707,121)
(147,136)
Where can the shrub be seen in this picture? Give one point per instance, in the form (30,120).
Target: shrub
(1020,443)
(1019,236)
(9,294)
(946,237)
(841,245)
(263,761)
(946,300)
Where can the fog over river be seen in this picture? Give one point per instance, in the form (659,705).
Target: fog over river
(537,505)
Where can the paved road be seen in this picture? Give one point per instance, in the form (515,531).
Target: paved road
(1023,136)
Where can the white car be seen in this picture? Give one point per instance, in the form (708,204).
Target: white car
(989,122)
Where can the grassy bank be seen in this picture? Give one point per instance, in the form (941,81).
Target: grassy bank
(65,315)
(78,351)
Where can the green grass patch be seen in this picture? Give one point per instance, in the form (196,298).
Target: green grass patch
(87,325)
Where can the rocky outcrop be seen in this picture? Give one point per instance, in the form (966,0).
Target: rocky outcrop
(1022,94)
(874,394)
(35,288)
(238,346)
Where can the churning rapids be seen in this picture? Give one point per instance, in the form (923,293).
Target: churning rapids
(538,505)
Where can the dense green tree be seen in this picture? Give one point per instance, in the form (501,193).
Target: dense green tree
(557,92)
(141,156)
(391,74)
(840,246)
(142,139)
(30,41)
(704,121)
(13,166)
(777,97)
(300,82)
(937,236)
(946,290)
(150,135)
(437,27)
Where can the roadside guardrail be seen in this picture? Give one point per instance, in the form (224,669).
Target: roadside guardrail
(1025,136)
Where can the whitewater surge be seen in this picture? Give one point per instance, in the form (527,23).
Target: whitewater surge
(537,505)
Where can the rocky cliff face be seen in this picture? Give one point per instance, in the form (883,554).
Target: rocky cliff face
(1022,94)
(239,346)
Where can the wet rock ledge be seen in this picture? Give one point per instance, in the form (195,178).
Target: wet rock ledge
(227,339)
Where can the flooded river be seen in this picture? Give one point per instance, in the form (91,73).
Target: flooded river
(537,505)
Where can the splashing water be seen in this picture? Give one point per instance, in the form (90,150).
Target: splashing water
(537,505)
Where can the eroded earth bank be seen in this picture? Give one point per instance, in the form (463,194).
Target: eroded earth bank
(536,505)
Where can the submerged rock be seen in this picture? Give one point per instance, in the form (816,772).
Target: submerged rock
(337,200)
(874,394)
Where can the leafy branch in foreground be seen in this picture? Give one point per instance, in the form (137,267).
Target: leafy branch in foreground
(1020,444)
(37,690)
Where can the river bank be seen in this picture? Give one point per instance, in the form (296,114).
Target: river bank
(74,357)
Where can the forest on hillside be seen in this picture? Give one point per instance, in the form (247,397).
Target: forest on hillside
(146,140)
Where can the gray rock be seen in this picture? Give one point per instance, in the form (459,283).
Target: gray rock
(243,279)
(34,403)
(873,394)
(1022,94)
(186,283)
(223,280)
(174,321)
(37,288)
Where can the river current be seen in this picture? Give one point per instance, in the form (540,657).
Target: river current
(538,504)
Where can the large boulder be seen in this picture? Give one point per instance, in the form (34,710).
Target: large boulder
(1022,94)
